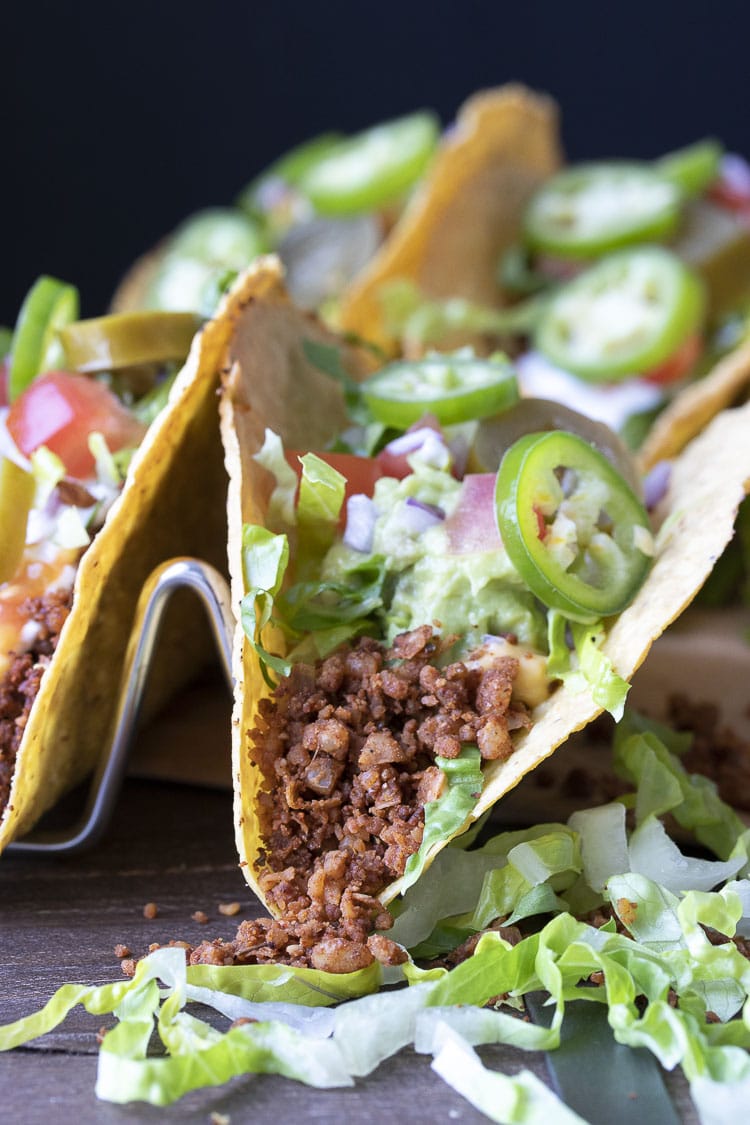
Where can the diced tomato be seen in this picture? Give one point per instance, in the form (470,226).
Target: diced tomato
(393,464)
(679,364)
(360,472)
(61,410)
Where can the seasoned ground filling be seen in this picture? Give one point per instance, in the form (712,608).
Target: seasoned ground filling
(717,752)
(20,684)
(347,750)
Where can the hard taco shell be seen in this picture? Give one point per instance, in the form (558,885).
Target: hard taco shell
(172,503)
(467,211)
(268,382)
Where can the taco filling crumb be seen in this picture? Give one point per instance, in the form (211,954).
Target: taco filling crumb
(347,750)
(45,617)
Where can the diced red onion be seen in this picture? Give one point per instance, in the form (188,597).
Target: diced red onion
(459,447)
(361,514)
(429,442)
(419,516)
(472,526)
(655,483)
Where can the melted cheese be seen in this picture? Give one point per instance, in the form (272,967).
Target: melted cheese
(531,685)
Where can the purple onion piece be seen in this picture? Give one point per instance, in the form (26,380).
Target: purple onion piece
(655,484)
(419,516)
(361,514)
(459,447)
(412,440)
(428,442)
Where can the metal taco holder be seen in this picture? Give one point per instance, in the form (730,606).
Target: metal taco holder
(175,574)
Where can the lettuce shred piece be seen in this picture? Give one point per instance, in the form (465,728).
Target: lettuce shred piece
(324,614)
(500,1097)
(321,496)
(265,558)
(445,817)
(48,471)
(281,511)
(591,668)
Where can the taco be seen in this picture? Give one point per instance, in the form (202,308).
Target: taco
(389,734)
(615,283)
(335,204)
(95,491)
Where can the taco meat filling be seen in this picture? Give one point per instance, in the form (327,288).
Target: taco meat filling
(347,750)
(46,616)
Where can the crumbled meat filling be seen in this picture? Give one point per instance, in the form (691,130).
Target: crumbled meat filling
(347,752)
(20,684)
(717,751)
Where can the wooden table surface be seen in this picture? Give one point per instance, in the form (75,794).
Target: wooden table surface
(60,920)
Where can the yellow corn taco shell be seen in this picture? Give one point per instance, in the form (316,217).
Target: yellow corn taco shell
(464,215)
(172,503)
(694,407)
(268,382)
(467,212)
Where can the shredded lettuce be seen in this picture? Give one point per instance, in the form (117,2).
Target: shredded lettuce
(591,667)
(671,942)
(604,844)
(265,557)
(664,949)
(445,817)
(264,984)
(322,615)
(642,757)
(502,1098)
(321,496)
(48,471)
(281,514)
(70,530)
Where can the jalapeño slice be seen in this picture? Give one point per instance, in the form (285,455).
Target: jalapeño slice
(573,529)
(693,169)
(373,168)
(454,388)
(623,316)
(109,343)
(47,306)
(494,436)
(204,247)
(591,209)
(259,196)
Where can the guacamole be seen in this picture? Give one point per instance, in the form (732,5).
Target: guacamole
(470,593)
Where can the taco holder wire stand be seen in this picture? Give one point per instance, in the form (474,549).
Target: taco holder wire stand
(176,574)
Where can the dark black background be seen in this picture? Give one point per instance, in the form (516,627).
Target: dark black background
(121,119)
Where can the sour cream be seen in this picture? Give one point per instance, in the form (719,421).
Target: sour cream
(612,403)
